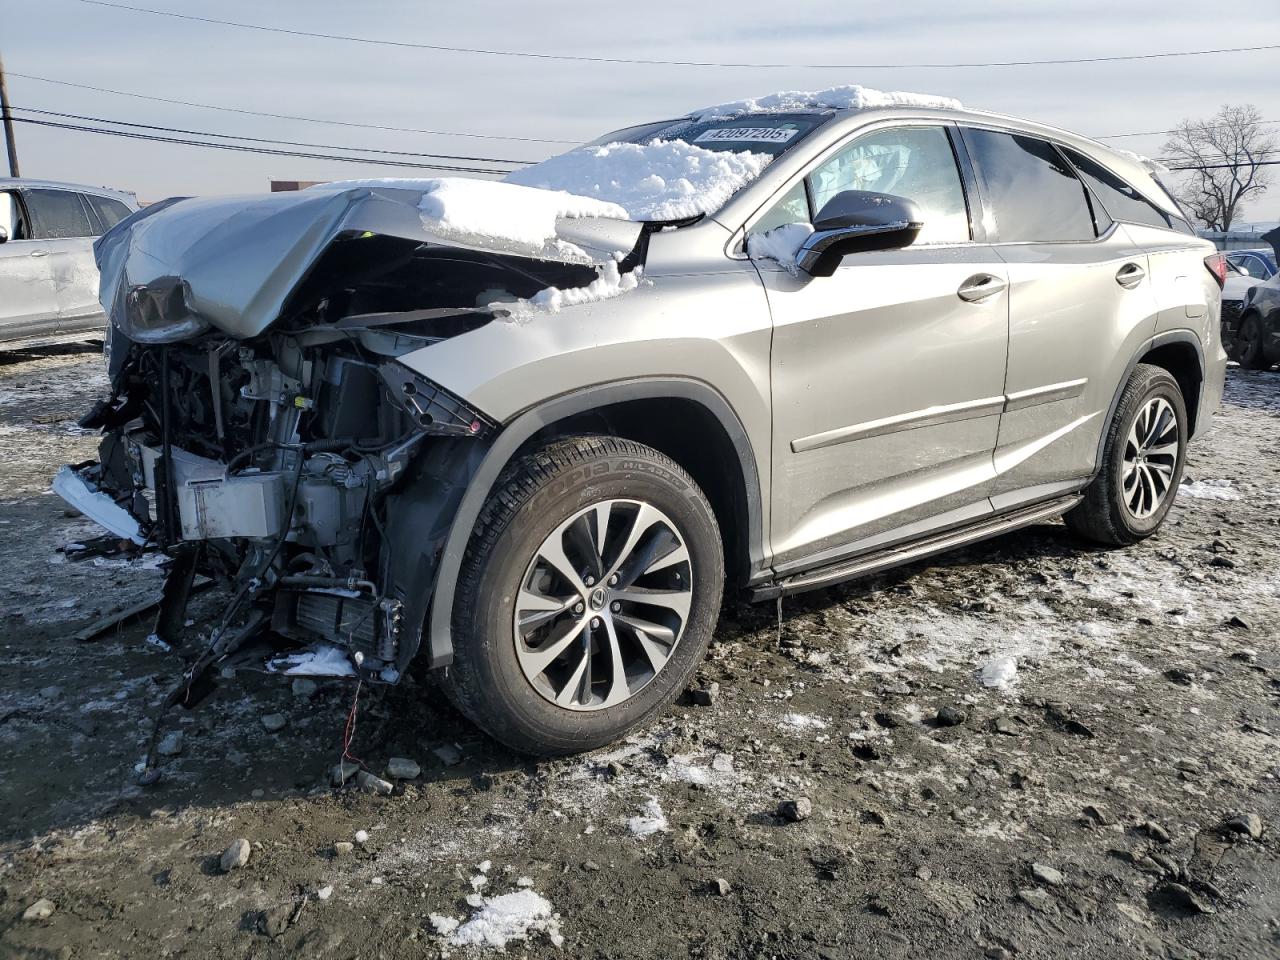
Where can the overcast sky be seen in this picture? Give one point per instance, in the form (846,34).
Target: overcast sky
(163,57)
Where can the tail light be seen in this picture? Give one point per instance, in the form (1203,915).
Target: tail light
(1217,265)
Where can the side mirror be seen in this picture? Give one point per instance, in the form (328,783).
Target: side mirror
(857,221)
(4,234)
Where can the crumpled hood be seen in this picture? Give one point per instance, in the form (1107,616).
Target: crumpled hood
(184,265)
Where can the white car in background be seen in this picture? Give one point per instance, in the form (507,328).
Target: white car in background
(48,278)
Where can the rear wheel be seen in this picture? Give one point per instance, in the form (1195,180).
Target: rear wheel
(587,597)
(1142,462)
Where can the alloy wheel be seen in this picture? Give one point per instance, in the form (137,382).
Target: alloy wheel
(603,604)
(1150,458)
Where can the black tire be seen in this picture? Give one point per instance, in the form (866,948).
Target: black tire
(1249,343)
(533,496)
(1103,515)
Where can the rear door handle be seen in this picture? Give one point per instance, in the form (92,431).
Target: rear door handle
(39,253)
(1130,275)
(980,286)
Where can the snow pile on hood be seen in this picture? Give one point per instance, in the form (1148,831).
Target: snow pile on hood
(486,213)
(520,218)
(610,282)
(848,97)
(660,180)
(512,916)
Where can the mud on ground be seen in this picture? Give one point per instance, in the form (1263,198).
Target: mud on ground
(1112,717)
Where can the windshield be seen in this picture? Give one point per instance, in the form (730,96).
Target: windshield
(772,133)
(674,170)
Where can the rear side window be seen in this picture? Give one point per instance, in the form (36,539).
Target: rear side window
(1122,201)
(59,214)
(1034,193)
(109,211)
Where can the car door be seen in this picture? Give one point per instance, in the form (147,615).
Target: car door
(888,376)
(28,303)
(68,227)
(1080,303)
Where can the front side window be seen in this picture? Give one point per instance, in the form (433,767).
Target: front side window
(912,162)
(59,214)
(1122,201)
(1035,195)
(12,218)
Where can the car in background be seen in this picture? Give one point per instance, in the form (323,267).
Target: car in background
(48,278)
(1256,343)
(1259,264)
(1245,270)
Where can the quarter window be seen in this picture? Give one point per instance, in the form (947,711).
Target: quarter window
(1122,201)
(59,214)
(1034,193)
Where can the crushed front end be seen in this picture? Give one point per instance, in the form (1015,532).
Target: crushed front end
(265,430)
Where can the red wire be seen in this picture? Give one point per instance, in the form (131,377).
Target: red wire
(349,731)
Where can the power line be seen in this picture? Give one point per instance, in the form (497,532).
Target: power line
(374,126)
(483,51)
(285,116)
(1150,133)
(1228,166)
(287,143)
(241,148)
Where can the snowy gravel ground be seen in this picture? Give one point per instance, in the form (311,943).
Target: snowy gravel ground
(1111,719)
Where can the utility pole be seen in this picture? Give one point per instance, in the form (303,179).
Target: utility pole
(11,145)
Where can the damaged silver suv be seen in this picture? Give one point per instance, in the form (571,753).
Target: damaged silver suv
(527,433)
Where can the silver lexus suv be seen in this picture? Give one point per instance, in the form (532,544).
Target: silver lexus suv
(526,434)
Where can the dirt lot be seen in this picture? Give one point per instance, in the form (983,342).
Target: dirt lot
(1113,719)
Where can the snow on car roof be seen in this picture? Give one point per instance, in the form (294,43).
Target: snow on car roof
(847,97)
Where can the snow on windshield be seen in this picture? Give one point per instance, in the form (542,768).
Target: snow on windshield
(847,97)
(660,180)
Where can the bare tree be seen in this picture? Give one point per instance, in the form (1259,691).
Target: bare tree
(1224,157)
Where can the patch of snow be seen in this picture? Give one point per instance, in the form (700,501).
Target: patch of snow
(1210,490)
(500,920)
(649,821)
(609,282)
(661,180)
(845,97)
(801,723)
(444,925)
(999,673)
(324,893)
(320,661)
(781,244)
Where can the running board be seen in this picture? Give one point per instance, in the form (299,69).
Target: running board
(915,550)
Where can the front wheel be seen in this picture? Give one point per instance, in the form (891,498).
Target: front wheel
(1141,462)
(587,597)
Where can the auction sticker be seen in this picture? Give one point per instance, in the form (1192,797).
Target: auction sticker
(747,135)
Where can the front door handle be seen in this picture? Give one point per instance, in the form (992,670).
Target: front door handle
(39,253)
(1130,275)
(980,286)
